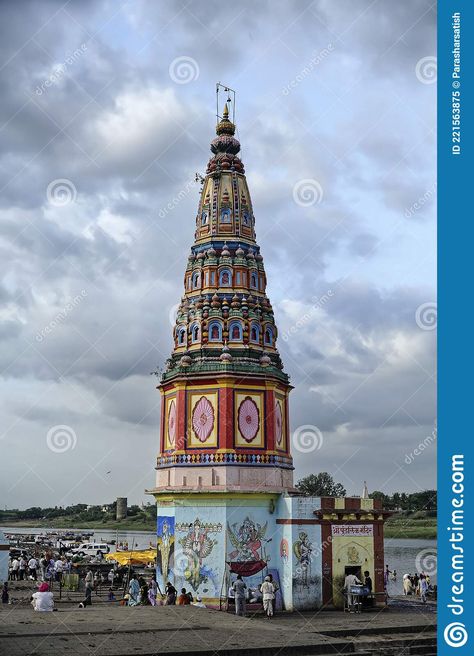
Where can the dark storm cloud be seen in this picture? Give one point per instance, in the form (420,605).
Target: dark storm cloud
(88,287)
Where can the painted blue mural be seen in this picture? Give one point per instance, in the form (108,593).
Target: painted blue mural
(165,548)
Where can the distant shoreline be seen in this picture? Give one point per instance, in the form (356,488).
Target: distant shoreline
(75,525)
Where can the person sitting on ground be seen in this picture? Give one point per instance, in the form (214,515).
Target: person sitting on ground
(170,592)
(43,600)
(199,603)
(183,599)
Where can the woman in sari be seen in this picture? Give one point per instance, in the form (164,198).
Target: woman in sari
(152,591)
(133,591)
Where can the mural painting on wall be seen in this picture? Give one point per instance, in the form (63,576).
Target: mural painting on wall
(165,544)
(302,549)
(247,540)
(196,545)
(284,550)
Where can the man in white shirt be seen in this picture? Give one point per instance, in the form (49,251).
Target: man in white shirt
(58,570)
(239,588)
(32,565)
(43,599)
(15,567)
(350,580)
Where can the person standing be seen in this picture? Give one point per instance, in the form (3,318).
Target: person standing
(239,588)
(170,592)
(5,595)
(350,580)
(423,588)
(134,591)
(32,565)
(58,570)
(276,588)
(43,567)
(152,591)
(89,586)
(22,568)
(15,568)
(268,593)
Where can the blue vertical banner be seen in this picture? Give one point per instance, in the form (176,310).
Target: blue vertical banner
(455,326)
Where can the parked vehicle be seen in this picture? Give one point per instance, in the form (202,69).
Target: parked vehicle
(91,549)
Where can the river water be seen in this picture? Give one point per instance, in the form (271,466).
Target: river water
(406,556)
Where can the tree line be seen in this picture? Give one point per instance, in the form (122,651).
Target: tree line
(323,485)
(80,511)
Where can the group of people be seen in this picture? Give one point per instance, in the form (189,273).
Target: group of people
(46,568)
(265,593)
(419,585)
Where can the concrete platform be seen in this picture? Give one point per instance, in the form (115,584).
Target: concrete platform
(146,631)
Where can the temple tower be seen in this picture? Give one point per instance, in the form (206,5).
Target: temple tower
(224,417)
(224,484)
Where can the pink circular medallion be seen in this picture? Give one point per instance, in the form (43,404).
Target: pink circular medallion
(248,419)
(278,423)
(203,419)
(172,422)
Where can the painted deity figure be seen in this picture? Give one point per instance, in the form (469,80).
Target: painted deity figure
(302,549)
(196,546)
(164,546)
(247,540)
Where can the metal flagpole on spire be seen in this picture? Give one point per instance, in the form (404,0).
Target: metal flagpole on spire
(229,91)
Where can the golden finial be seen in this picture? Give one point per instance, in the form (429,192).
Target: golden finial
(225,113)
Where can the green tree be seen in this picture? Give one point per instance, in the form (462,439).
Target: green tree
(320,485)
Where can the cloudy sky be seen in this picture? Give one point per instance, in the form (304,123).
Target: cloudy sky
(107,111)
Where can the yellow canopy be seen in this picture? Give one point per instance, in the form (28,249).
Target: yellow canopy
(132,557)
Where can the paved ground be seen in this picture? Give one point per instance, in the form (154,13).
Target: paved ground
(108,630)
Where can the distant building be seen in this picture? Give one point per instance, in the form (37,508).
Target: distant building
(224,486)
(121,511)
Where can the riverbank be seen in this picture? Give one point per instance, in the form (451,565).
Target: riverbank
(127,524)
(403,527)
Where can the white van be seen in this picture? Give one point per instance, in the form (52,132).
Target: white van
(91,549)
